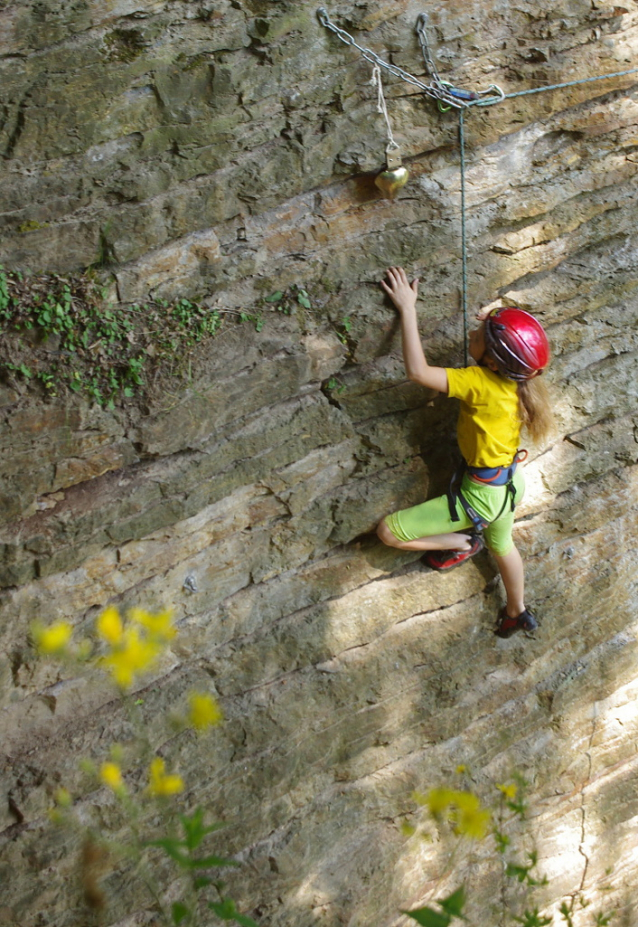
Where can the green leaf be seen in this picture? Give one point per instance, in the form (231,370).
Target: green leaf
(194,829)
(179,912)
(516,872)
(206,862)
(274,297)
(428,917)
(227,911)
(172,848)
(533,919)
(453,905)
(245,921)
(224,909)
(602,920)
(201,882)
(192,826)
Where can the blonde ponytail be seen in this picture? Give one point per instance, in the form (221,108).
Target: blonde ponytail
(535,409)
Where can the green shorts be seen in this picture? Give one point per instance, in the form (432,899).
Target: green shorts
(433,516)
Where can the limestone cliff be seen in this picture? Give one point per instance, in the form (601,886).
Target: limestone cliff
(226,149)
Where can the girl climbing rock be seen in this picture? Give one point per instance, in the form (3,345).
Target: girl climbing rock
(498,397)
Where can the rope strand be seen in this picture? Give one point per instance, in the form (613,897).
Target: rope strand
(381,106)
(463,241)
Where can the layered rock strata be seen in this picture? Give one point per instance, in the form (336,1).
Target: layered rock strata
(227,149)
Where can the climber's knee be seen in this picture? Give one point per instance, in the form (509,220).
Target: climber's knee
(385,534)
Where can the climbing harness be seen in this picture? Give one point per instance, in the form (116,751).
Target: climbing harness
(489,476)
(450,97)
(395,175)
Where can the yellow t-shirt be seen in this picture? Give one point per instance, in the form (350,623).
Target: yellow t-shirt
(489,426)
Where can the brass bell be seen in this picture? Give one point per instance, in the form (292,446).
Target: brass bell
(394,176)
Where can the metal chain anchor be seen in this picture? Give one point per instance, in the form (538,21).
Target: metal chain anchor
(450,96)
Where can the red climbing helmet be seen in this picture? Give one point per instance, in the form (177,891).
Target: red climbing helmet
(517,342)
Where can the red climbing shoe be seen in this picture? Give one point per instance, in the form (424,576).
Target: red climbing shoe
(508,626)
(448,559)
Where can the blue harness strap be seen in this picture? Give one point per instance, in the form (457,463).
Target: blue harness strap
(492,476)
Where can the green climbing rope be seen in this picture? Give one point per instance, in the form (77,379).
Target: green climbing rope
(463,240)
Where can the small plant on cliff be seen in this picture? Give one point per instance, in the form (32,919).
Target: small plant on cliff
(141,789)
(63,333)
(286,301)
(462,811)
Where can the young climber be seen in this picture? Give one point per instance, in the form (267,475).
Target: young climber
(498,397)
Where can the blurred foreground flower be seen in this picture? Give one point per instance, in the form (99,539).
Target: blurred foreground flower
(470,819)
(509,791)
(439,800)
(128,646)
(136,647)
(204,711)
(109,626)
(135,654)
(160,783)
(111,775)
(160,625)
(462,809)
(53,639)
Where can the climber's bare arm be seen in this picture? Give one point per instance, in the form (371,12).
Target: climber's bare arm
(404,296)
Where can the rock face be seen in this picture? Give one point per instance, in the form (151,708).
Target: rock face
(228,149)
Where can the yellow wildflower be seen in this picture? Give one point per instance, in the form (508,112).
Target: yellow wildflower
(160,783)
(160,625)
(109,626)
(111,775)
(134,655)
(509,791)
(466,801)
(439,800)
(53,639)
(473,823)
(469,818)
(462,809)
(204,711)
(461,768)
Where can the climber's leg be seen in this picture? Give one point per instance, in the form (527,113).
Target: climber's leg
(428,527)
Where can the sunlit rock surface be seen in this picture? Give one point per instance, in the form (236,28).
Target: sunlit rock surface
(228,149)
